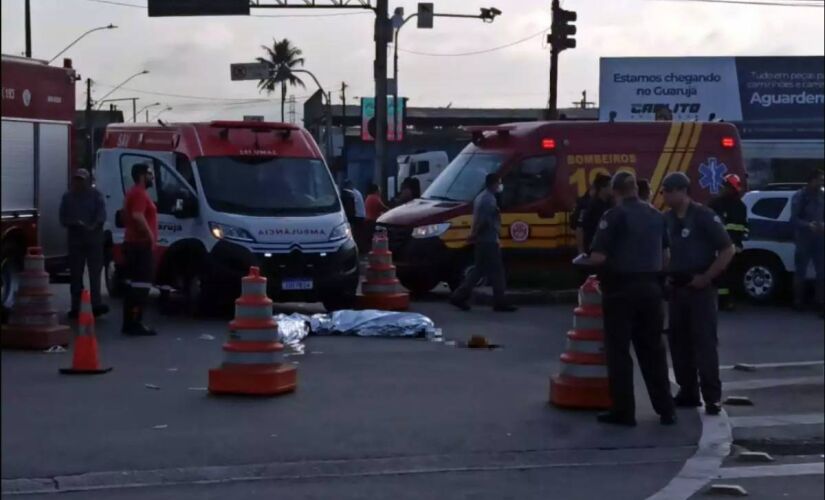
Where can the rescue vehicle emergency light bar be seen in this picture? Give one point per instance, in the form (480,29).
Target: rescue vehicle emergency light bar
(479,130)
(285,128)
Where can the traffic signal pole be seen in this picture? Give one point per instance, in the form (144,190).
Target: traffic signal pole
(560,38)
(552,107)
(382,32)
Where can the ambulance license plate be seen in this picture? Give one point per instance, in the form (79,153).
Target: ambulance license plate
(297,284)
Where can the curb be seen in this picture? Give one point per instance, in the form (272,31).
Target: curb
(527,297)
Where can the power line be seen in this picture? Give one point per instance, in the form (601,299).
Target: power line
(794,3)
(477,52)
(334,14)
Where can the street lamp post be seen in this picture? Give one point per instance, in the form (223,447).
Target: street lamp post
(328,97)
(398,22)
(147,110)
(168,108)
(124,82)
(134,104)
(109,27)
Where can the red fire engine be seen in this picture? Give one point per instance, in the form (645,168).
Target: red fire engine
(37,111)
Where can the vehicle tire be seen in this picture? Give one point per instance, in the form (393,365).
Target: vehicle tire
(418,285)
(761,278)
(113,277)
(11,264)
(338,303)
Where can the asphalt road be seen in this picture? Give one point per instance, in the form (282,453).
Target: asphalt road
(372,418)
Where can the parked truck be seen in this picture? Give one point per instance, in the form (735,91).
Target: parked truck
(37,111)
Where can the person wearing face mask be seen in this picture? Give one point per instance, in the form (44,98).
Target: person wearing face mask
(141,221)
(485,236)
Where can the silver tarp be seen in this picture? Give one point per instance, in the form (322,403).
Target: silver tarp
(294,328)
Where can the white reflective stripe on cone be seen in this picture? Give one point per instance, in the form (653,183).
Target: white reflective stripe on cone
(256,335)
(373,275)
(583,371)
(34,264)
(252,358)
(590,299)
(585,346)
(370,289)
(253,311)
(587,322)
(380,260)
(34,281)
(253,289)
(33,319)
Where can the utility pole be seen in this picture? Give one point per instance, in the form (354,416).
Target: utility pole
(28,30)
(560,38)
(147,116)
(344,127)
(382,38)
(89,128)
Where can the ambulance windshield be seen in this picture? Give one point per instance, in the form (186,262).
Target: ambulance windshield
(266,186)
(463,178)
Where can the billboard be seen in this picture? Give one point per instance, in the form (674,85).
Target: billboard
(394,133)
(767,97)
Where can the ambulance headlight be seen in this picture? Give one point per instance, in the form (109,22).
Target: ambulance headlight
(223,231)
(430,231)
(341,232)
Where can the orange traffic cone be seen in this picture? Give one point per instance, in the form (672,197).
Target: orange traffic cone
(85,360)
(381,289)
(582,381)
(253,357)
(33,322)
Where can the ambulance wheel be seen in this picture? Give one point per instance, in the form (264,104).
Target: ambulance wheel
(760,278)
(418,285)
(338,303)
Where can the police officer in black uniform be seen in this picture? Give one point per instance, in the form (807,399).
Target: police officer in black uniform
(700,251)
(630,245)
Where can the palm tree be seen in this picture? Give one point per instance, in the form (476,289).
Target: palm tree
(281,58)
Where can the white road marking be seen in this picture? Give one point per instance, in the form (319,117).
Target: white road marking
(777,420)
(702,467)
(741,385)
(791,364)
(809,469)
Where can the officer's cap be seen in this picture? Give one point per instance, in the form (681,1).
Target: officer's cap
(81,173)
(676,181)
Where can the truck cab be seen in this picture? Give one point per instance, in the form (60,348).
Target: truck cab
(231,195)
(424,166)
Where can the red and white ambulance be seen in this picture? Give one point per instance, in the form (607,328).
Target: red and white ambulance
(231,195)
(37,113)
(545,167)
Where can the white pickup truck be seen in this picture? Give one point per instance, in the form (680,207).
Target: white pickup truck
(766,264)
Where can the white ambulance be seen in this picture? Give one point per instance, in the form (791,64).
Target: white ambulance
(231,195)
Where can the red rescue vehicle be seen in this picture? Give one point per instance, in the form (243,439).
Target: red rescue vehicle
(37,112)
(545,167)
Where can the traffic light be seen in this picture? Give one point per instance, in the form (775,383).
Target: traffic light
(425,15)
(562,31)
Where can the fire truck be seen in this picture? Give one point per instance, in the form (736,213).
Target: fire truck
(37,111)
(545,167)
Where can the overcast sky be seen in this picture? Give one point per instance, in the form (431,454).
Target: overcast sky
(191,56)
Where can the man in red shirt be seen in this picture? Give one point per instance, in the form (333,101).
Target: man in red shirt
(141,220)
(374,208)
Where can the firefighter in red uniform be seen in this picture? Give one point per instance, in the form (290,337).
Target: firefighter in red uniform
(734,214)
